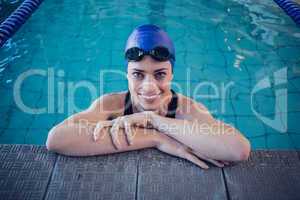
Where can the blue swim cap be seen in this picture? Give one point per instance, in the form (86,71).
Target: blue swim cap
(149,36)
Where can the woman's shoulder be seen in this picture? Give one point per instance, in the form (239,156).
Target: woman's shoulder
(111,102)
(187,104)
(114,98)
(184,101)
(113,95)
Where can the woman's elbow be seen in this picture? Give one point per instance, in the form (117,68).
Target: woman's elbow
(52,140)
(242,150)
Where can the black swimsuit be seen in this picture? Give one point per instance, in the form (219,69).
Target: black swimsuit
(171,107)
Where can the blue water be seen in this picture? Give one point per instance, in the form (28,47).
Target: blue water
(227,52)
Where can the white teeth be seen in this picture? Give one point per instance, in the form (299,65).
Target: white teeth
(150,97)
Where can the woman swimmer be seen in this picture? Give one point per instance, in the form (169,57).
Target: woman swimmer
(149,114)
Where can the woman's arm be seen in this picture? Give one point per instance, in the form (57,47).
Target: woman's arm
(76,139)
(195,128)
(212,138)
(199,130)
(74,136)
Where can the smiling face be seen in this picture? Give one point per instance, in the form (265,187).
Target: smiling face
(149,83)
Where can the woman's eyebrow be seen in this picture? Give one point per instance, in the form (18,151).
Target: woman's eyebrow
(157,70)
(139,70)
(161,69)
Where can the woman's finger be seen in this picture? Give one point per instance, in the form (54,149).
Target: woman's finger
(128,132)
(97,130)
(224,162)
(114,133)
(173,147)
(214,162)
(189,156)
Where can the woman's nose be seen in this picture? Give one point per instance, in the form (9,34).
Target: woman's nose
(149,85)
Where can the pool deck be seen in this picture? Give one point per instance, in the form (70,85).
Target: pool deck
(31,172)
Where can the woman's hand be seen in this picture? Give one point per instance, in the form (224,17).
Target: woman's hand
(165,143)
(99,128)
(141,119)
(173,147)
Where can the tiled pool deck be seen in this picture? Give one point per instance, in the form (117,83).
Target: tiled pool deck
(31,172)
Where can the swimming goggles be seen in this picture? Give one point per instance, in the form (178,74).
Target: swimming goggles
(158,53)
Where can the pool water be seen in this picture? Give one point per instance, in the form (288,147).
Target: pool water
(240,59)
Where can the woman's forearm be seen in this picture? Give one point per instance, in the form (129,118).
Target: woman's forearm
(76,139)
(214,139)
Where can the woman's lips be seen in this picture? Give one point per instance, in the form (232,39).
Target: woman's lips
(149,97)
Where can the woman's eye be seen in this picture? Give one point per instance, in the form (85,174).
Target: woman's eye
(160,75)
(137,75)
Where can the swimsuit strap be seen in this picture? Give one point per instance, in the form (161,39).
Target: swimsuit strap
(171,107)
(128,105)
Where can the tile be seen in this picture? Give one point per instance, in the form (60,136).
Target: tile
(293,102)
(13,136)
(36,136)
(5,113)
(293,122)
(290,53)
(279,141)
(258,143)
(20,119)
(117,57)
(251,126)
(43,121)
(7,97)
(295,140)
(25,100)
(242,107)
